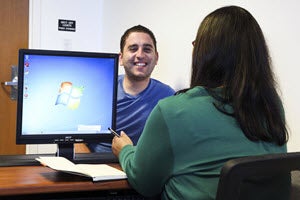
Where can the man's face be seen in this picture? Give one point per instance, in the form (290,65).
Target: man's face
(139,56)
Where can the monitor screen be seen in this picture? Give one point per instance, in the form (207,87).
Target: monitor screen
(66,97)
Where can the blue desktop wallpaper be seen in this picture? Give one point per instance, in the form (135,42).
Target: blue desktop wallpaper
(67,94)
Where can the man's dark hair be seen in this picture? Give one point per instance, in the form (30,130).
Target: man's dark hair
(138,28)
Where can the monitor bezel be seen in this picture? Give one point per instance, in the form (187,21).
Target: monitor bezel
(62,138)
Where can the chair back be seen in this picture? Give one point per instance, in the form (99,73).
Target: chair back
(259,177)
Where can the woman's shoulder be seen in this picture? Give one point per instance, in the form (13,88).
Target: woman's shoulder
(182,98)
(197,91)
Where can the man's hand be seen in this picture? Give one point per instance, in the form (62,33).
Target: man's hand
(81,148)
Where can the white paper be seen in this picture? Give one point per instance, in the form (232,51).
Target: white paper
(97,171)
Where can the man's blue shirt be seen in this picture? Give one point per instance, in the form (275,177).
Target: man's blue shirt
(133,111)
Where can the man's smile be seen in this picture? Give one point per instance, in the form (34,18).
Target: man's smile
(140,64)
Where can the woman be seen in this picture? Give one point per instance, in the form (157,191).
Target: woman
(232,109)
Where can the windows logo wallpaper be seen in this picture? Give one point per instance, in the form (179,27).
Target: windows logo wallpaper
(69,95)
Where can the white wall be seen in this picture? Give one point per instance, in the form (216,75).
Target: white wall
(44,34)
(174,22)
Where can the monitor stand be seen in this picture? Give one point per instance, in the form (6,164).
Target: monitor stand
(66,150)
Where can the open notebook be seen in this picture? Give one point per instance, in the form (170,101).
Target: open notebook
(98,172)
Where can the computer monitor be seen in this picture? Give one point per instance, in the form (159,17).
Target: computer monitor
(66,97)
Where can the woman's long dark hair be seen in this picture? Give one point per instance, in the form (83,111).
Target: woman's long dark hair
(231,52)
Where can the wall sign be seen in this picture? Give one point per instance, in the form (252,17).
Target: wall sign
(66,25)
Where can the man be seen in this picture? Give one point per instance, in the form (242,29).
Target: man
(137,92)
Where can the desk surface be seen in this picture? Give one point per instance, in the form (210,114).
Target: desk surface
(22,180)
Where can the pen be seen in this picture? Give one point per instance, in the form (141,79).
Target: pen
(114,132)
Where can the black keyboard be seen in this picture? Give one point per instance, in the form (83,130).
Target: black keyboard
(94,195)
(84,158)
